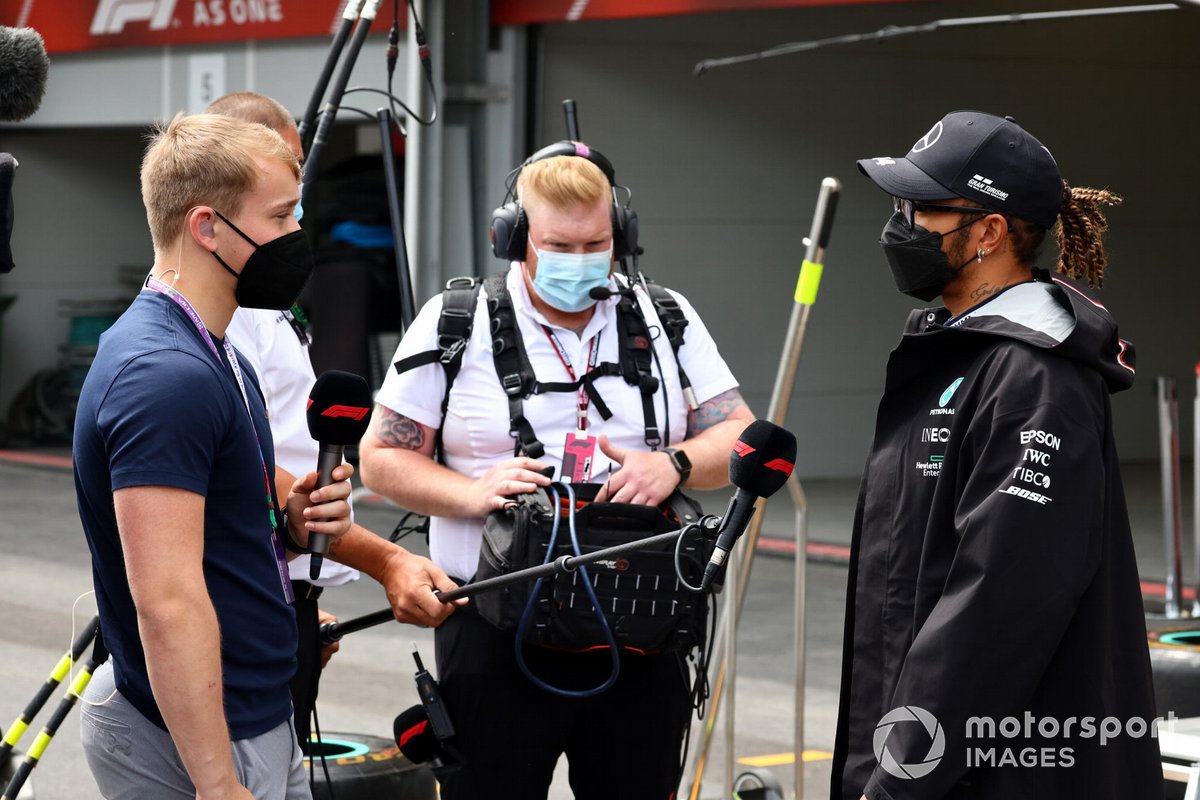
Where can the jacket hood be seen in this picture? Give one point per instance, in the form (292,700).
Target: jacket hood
(1052,313)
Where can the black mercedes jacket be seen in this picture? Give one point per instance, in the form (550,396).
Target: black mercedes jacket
(994,618)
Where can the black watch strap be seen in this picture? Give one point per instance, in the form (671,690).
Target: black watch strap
(682,464)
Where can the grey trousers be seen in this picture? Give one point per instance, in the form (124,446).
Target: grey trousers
(131,758)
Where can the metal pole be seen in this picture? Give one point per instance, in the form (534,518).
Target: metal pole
(1168,440)
(732,580)
(801,503)
(408,311)
(1196,493)
(423,164)
(785,379)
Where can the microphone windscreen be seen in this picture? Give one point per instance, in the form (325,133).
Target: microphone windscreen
(23,69)
(600,293)
(339,408)
(762,459)
(414,735)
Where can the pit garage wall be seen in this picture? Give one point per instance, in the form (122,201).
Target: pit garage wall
(725,171)
(79,215)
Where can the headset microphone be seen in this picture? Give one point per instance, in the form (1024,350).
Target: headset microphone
(761,462)
(339,411)
(603,292)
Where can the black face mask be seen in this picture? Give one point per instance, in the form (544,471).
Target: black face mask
(274,273)
(919,266)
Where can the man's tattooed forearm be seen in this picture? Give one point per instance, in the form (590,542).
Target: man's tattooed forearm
(714,411)
(397,430)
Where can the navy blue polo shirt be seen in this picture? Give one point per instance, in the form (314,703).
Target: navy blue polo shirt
(158,408)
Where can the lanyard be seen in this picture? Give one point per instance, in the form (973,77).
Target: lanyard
(593,354)
(156,285)
(298,321)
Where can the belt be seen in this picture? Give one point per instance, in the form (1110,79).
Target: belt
(306,590)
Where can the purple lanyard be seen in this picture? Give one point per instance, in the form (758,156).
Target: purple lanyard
(155,285)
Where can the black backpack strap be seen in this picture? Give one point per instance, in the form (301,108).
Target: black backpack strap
(588,382)
(673,320)
(634,348)
(459,299)
(512,365)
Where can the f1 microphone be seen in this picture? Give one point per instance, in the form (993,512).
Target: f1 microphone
(23,69)
(339,411)
(415,736)
(762,460)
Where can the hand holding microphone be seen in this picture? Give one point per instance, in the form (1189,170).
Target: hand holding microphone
(761,462)
(339,411)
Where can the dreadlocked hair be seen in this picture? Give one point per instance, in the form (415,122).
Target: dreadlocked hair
(1080,231)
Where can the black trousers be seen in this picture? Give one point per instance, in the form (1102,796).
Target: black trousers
(308,660)
(625,742)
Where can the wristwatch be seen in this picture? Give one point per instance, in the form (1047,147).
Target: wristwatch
(682,464)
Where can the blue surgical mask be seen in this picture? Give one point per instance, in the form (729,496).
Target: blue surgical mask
(564,279)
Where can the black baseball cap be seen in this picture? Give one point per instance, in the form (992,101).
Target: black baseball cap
(991,160)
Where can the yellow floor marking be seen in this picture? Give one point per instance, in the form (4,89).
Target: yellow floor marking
(779,759)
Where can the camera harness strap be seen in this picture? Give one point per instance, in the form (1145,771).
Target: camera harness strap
(516,375)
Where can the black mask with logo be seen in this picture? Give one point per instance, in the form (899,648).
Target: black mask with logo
(274,273)
(919,266)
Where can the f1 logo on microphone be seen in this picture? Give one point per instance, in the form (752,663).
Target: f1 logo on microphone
(779,465)
(742,449)
(350,412)
(111,15)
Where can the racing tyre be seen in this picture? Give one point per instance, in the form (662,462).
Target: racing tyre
(366,768)
(1175,661)
(757,784)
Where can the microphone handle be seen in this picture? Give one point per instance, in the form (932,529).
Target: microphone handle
(329,458)
(733,524)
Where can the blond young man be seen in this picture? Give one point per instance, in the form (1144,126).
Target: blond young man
(626,741)
(172,457)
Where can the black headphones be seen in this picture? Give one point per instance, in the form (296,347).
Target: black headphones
(510,227)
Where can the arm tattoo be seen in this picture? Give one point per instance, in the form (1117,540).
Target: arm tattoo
(713,411)
(397,430)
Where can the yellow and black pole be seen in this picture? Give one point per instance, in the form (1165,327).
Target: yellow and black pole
(38,748)
(724,653)
(60,671)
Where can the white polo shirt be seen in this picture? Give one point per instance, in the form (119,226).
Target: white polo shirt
(475,434)
(268,341)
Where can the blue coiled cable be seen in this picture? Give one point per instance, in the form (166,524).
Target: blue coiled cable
(587,585)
